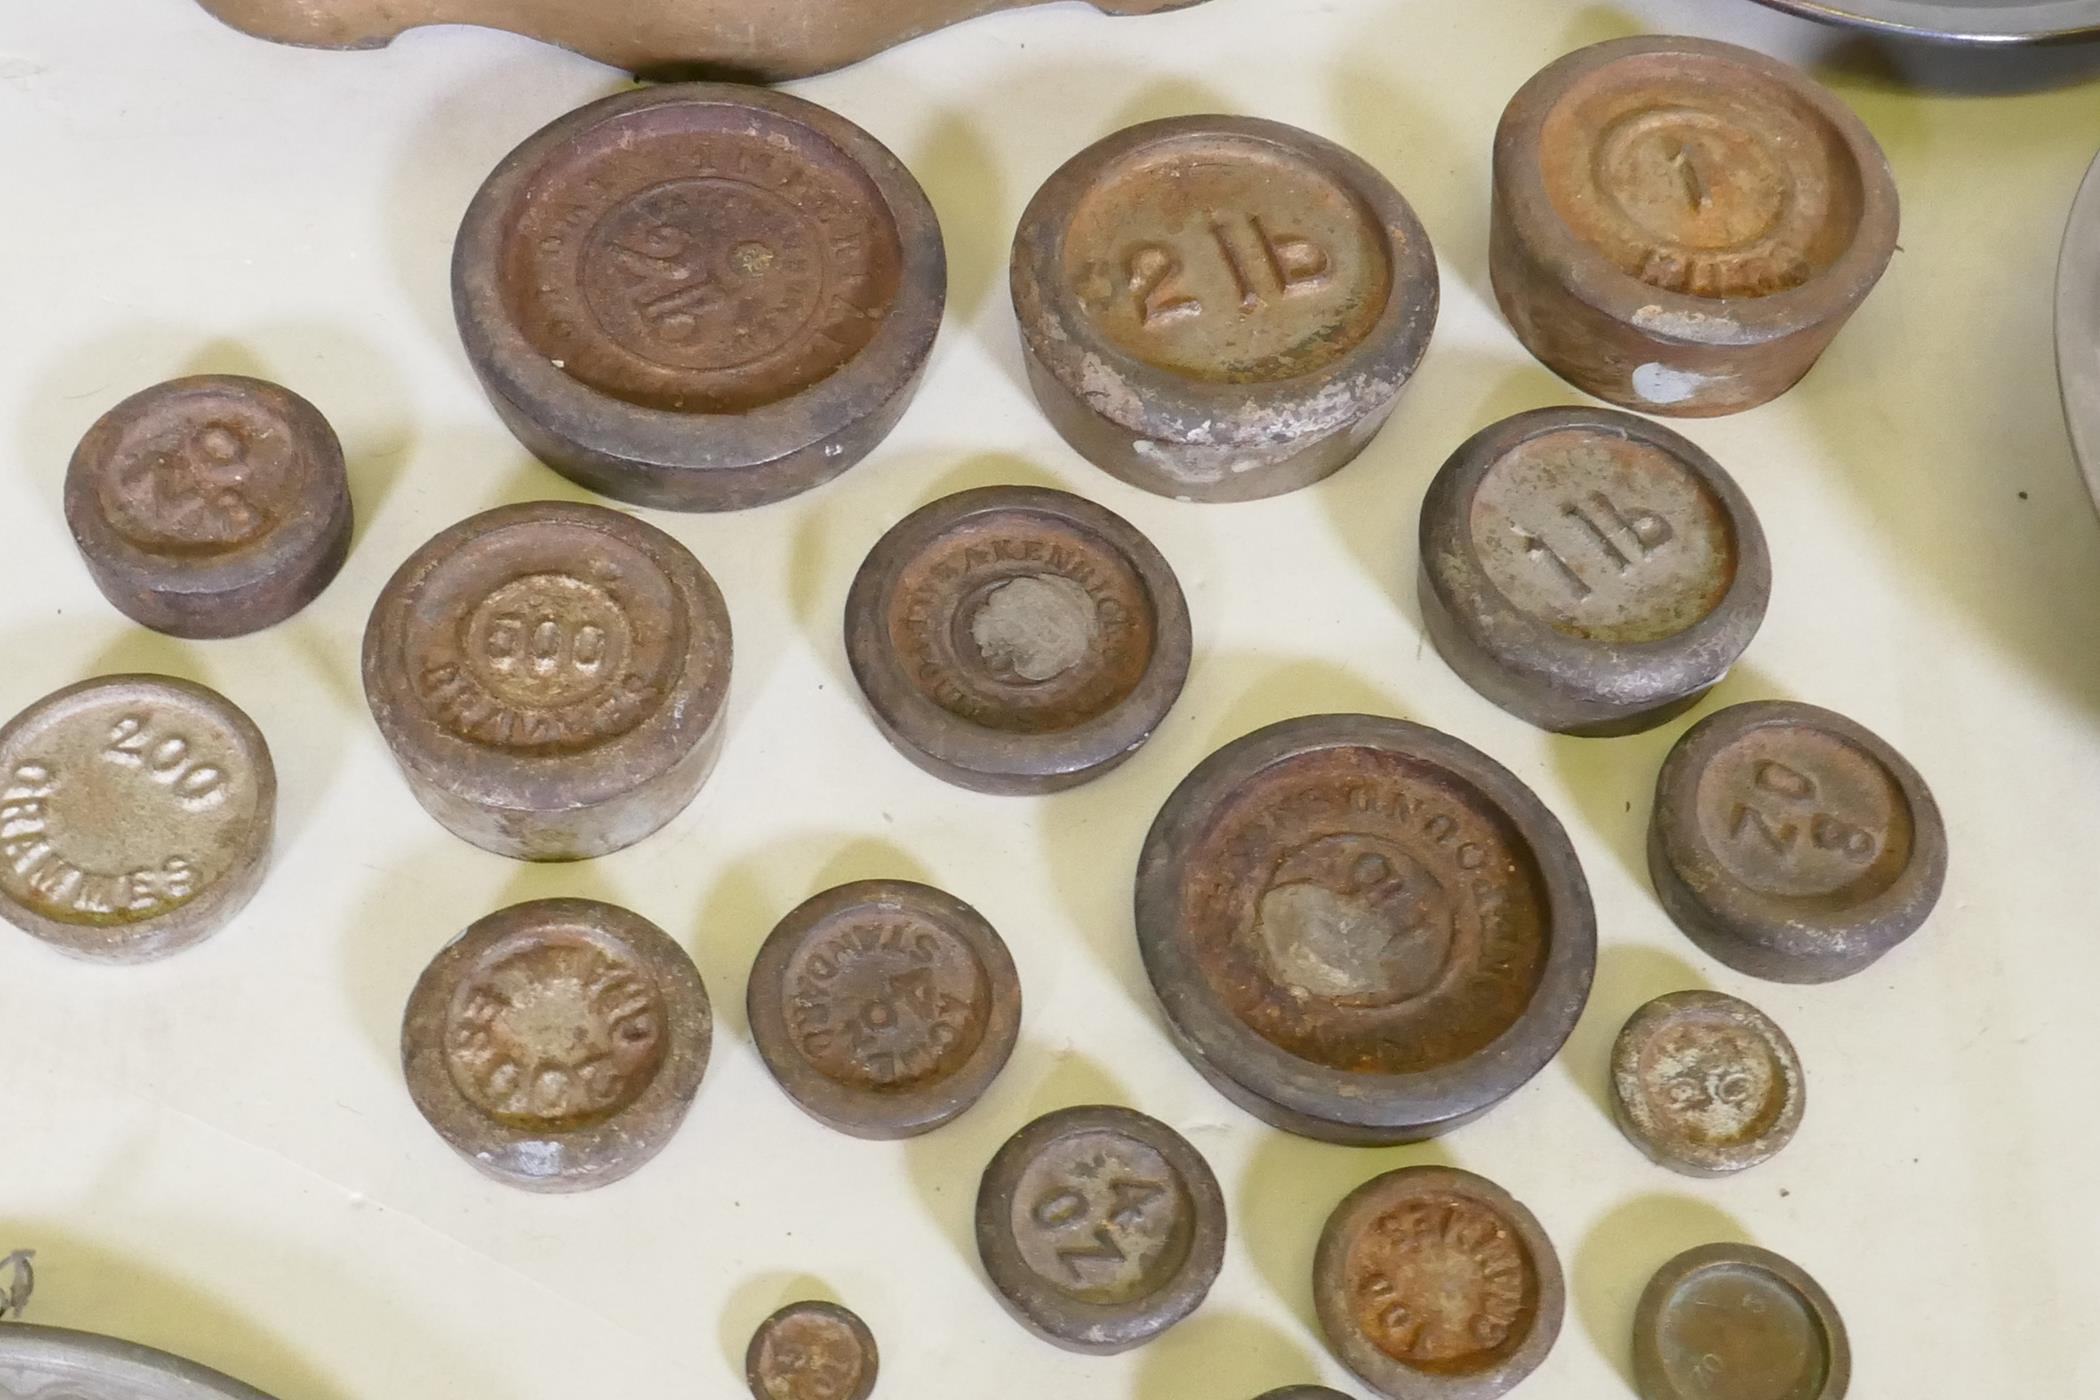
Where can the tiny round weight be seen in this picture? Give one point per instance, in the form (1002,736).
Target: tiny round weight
(885,1008)
(1220,308)
(1682,226)
(557,1044)
(210,507)
(1794,844)
(1363,930)
(1705,1084)
(700,297)
(1017,640)
(551,678)
(812,1351)
(1100,1228)
(1734,1322)
(136,816)
(1432,1283)
(1589,571)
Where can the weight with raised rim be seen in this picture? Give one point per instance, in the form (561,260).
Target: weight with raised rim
(1682,226)
(1221,308)
(1363,930)
(1735,1322)
(700,297)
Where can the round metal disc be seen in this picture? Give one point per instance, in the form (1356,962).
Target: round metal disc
(1960,21)
(2078,328)
(58,1362)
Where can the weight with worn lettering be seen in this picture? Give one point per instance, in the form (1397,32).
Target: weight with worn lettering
(557,1044)
(1794,844)
(700,297)
(812,1351)
(885,1008)
(551,678)
(1100,1228)
(136,816)
(1363,930)
(1221,308)
(1589,571)
(1682,226)
(1017,640)
(1735,1322)
(1705,1084)
(1432,1283)
(210,507)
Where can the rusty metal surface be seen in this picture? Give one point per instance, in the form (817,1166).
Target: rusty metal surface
(1706,1084)
(700,297)
(1681,226)
(211,506)
(1363,930)
(812,1351)
(551,678)
(769,40)
(1017,640)
(1432,1283)
(1735,1322)
(557,1044)
(136,817)
(1100,1228)
(884,1008)
(1221,308)
(57,1363)
(1589,571)
(1794,844)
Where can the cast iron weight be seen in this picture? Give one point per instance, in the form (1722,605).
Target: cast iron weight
(1221,308)
(210,507)
(1705,1084)
(551,678)
(700,297)
(1589,571)
(1100,1228)
(885,1008)
(136,816)
(557,1044)
(1363,930)
(812,1351)
(1794,844)
(1682,226)
(1735,1322)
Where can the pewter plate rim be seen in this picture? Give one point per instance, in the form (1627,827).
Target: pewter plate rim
(2078,328)
(1959,21)
(60,1363)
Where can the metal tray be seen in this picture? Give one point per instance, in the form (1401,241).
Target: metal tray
(2078,328)
(1961,21)
(52,1363)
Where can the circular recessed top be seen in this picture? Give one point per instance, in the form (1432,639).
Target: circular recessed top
(700,251)
(210,506)
(1712,194)
(885,1008)
(557,1044)
(1983,22)
(1734,1322)
(1013,639)
(812,1351)
(1224,283)
(546,657)
(2078,327)
(1590,568)
(52,1363)
(1100,1227)
(1793,843)
(136,815)
(1435,1284)
(1362,928)
(1706,1084)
